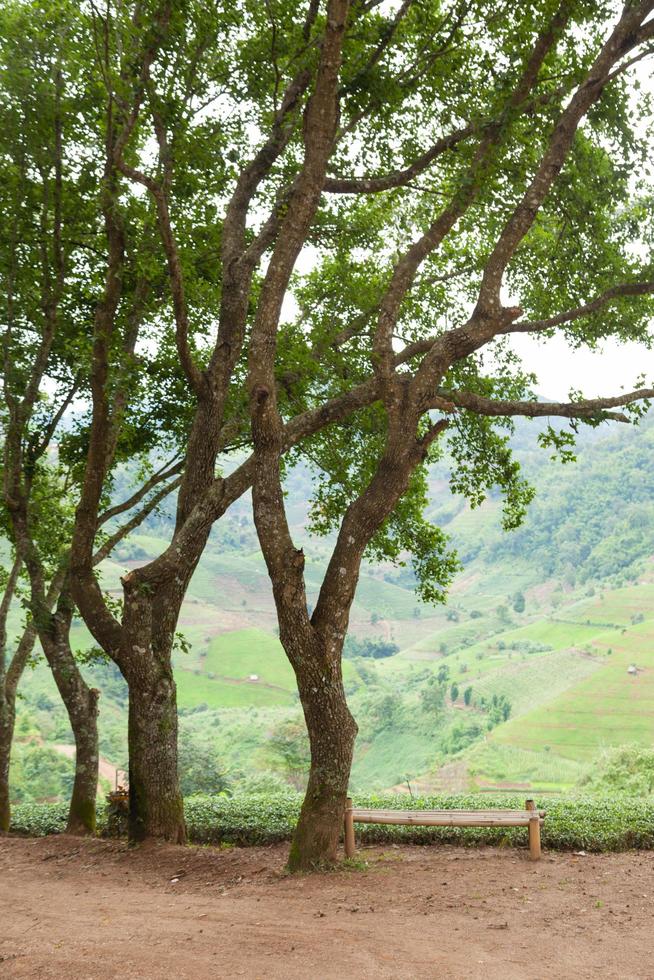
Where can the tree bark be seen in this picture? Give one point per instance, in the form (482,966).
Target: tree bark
(332,733)
(156,808)
(8,688)
(84,722)
(7,721)
(81,704)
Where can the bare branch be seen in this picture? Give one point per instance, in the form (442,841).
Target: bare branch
(107,547)
(587,408)
(577,312)
(164,473)
(40,447)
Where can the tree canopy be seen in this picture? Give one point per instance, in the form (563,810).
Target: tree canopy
(309,231)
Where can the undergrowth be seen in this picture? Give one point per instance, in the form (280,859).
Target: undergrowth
(590,823)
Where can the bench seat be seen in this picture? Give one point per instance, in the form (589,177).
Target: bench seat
(529,817)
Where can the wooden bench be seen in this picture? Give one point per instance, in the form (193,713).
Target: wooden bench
(529,817)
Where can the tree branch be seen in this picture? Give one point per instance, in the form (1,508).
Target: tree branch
(107,547)
(586,309)
(406,268)
(587,408)
(162,474)
(623,38)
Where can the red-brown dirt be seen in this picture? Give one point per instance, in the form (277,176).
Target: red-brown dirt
(93,910)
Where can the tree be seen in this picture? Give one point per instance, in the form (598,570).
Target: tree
(289,747)
(505,185)
(11,670)
(454,692)
(233,139)
(36,204)
(199,766)
(432,698)
(518,602)
(48,265)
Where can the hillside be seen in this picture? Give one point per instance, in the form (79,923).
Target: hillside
(521,680)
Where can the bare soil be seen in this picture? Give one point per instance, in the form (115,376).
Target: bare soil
(93,910)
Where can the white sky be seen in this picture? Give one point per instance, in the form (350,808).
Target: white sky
(602,372)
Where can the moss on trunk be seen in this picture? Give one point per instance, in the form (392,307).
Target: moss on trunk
(332,732)
(156,808)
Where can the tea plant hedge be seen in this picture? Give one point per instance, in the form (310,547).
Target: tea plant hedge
(590,823)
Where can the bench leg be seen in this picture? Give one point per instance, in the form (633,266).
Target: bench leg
(350,849)
(534,838)
(534,831)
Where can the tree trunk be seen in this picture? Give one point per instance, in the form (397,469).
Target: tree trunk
(156,808)
(81,704)
(83,715)
(332,732)
(7,720)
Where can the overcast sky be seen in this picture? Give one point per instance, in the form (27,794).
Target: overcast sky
(603,372)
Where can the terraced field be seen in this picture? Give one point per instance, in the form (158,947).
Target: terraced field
(610,707)
(538,679)
(243,668)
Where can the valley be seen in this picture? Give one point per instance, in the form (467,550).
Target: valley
(533,668)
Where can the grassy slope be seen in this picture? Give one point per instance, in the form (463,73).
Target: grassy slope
(568,700)
(610,707)
(221,679)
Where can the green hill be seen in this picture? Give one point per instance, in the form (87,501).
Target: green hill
(555,662)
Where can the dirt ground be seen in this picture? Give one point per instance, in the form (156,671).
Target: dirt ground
(92,910)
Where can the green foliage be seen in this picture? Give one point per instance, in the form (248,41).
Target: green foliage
(432,698)
(288,749)
(376,649)
(39,773)
(199,766)
(591,823)
(462,734)
(575,525)
(498,709)
(625,769)
(518,602)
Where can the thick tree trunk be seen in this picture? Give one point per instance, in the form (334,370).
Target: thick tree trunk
(332,732)
(7,720)
(156,808)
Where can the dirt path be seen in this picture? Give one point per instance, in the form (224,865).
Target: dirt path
(92,911)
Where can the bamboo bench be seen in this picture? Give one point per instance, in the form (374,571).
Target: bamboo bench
(529,817)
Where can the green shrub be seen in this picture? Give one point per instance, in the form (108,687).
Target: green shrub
(260,818)
(41,819)
(591,823)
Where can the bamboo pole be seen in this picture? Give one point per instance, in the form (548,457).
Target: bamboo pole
(350,846)
(534,830)
(419,818)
